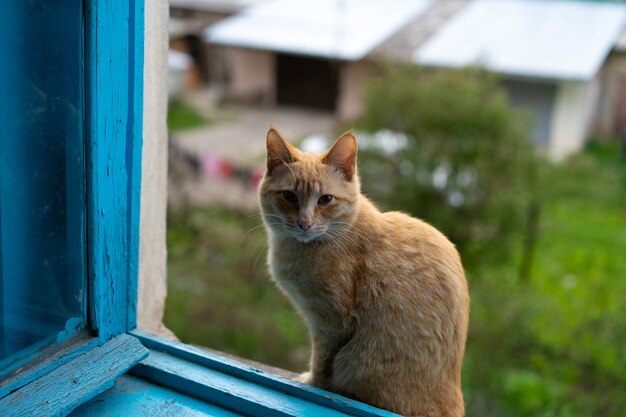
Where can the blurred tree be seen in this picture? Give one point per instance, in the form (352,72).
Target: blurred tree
(463,163)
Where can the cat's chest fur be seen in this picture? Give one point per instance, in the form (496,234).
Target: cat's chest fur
(319,280)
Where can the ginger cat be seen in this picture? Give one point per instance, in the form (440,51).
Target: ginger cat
(383,294)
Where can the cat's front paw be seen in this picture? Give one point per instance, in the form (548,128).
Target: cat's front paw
(305,378)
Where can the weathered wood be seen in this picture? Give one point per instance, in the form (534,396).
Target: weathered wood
(227,391)
(251,363)
(114,97)
(136,397)
(113,62)
(246,374)
(60,391)
(55,356)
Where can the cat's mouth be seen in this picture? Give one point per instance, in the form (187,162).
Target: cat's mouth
(306,235)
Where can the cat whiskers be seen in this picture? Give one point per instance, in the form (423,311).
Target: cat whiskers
(262,251)
(247,233)
(255,217)
(344,238)
(334,237)
(251,252)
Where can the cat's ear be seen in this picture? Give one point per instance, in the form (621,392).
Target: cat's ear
(342,155)
(279,151)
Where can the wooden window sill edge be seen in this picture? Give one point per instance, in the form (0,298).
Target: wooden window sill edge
(62,383)
(39,359)
(236,386)
(142,372)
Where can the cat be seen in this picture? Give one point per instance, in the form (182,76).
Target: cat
(384,295)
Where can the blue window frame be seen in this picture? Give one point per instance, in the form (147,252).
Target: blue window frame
(42,192)
(101,122)
(61,376)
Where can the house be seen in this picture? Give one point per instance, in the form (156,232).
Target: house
(307,53)
(556,59)
(610,118)
(188,19)
(552,57)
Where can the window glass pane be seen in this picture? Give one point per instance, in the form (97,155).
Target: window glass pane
(42,196)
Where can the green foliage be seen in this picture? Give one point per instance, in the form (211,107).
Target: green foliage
(180,117)
(219,291)
(466,164)
(553,346)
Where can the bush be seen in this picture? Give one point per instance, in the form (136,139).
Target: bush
(554,345)
(466,162)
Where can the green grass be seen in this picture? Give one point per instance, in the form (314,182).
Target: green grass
(554,345)
(181,116)
(220,294)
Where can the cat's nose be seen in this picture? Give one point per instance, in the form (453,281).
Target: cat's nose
(305,224)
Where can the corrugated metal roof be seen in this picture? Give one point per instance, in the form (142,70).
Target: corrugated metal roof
(529,38)
(342,29)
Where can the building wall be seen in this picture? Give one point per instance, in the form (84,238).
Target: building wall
(575,106)
(152,250)
(251,76)
(353,78)
(537,100)
(612,103)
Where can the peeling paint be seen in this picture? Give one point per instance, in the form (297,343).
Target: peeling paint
(115,97)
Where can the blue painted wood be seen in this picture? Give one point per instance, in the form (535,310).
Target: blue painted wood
(75,382)
(113,124)
(134,151)
(114,99)
(54,358)
(257,376)
(18,361)
(134,397)
(225,390)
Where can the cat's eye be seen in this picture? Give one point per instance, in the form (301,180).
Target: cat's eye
(290,196)
(325,199)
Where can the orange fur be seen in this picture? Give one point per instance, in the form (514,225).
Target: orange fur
(383,294)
